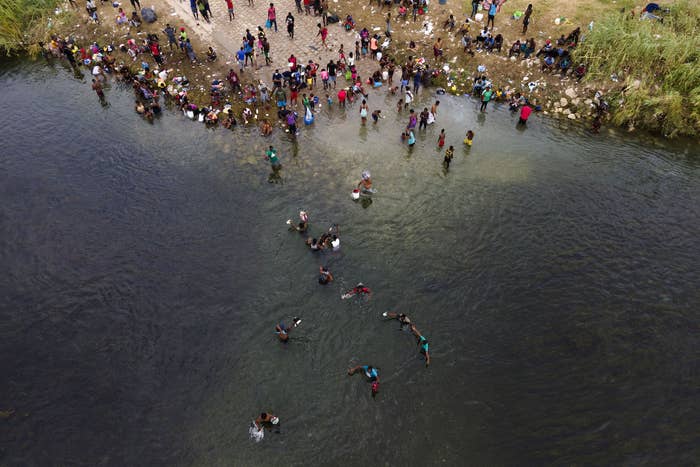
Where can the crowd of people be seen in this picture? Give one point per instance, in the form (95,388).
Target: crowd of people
(299,88)
(314,84)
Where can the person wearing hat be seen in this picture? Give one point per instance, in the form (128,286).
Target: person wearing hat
(359,289)
(366,183)
(266,418)
(547,49)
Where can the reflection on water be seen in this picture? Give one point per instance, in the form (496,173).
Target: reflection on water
(554,274)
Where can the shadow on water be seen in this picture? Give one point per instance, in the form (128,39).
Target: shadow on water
(146,266)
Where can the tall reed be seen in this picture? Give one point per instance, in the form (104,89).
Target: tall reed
(659,64)
(23,23)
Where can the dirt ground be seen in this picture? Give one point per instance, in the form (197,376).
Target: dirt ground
(503,72)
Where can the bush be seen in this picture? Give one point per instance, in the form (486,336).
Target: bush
(659,63)
(23,23)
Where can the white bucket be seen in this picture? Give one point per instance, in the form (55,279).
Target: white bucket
(479,17)
(355,194)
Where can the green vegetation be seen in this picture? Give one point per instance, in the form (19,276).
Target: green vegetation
(659,64)
(23,23)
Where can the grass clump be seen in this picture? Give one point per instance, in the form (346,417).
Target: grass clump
(23,23)
(659,64)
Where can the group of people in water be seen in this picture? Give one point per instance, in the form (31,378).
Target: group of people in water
(312,85)
(330,239)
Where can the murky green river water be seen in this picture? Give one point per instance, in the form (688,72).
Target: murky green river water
(145,267)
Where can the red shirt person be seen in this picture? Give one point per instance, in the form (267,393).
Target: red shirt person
(525,112)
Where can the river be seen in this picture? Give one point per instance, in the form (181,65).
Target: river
(555,274)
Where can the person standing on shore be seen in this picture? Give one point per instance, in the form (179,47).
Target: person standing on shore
(155,51)
(190,52)
(272,16)
(203,10)
(170,32)
(526,17)
(492,13)
(251,3)
(324,12)
(231,14)
(195,11)
(135,4)
(475,7)
(323,32)
(290,25)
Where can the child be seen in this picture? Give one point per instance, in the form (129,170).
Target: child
(324,77)
(363,111)
(441,138)
(408,99)
(411,138)
(375,116)
(399,106)
(312,102)
(449,153)
(329,100)
(468,139)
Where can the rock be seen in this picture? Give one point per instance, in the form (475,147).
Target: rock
(588,101)
(563,101)
(576,101)
(570,92)
(566,112)
(571,116)
(636,83)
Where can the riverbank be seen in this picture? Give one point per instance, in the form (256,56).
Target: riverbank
(555,95)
